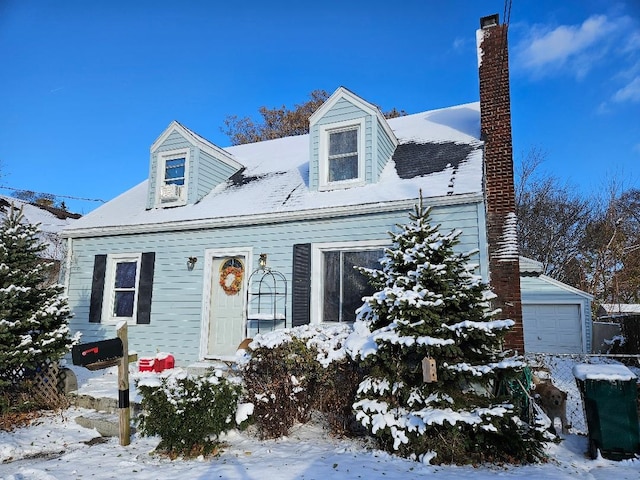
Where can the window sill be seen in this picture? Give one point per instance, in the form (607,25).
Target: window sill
(176,203)
(341,185)
(130,321)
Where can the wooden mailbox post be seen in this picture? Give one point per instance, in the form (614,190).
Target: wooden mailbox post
(105,354)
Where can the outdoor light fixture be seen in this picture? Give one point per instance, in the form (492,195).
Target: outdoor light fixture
(263,261)
(191,262)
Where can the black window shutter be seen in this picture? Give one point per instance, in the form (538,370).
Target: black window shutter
(145,287)
(97,288)
(301,288)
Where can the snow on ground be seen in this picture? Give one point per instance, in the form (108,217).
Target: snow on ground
(56,448)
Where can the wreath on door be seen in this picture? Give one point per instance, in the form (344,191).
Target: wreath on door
(231,273)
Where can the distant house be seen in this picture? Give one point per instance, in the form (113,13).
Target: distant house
(613,311)
(220,243)
(52,221)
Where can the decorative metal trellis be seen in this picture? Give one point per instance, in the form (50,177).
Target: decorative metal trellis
(266,301)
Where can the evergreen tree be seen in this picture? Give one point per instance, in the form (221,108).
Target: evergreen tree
(431,305)
(34,327)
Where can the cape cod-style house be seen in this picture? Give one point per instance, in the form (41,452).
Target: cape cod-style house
(220,243)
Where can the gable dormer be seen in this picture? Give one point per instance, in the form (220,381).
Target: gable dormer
(351,142)
(184,167)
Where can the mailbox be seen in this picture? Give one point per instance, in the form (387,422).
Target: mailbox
(88,354)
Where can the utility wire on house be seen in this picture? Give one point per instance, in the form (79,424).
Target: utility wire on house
(44,194)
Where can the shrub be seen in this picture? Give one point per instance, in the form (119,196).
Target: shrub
(188,413)
(294,372)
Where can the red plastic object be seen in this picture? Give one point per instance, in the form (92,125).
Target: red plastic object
(164,362)
(146,364)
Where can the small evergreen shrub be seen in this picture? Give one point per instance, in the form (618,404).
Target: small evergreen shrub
(188,413)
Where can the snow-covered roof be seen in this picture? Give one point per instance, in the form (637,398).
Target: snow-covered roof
(439,152)
(51,220)
(621,308)
(529,266)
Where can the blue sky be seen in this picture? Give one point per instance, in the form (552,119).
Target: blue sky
(87,86)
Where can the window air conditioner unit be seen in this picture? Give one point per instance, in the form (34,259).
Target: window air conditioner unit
(170,192)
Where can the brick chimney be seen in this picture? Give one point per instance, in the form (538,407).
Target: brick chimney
(495,128)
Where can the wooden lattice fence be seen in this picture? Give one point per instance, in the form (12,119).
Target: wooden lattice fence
(39,388)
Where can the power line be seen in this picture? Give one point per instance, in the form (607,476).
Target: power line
(44,194)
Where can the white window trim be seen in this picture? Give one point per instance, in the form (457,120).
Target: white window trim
(109,290)
(162,158)
(317,269)
(323,151)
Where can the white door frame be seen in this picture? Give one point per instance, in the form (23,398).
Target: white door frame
(207,283)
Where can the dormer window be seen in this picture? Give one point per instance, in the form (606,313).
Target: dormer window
(172,176)
(342,155)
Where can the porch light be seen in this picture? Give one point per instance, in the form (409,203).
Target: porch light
(262,262)
(191,262)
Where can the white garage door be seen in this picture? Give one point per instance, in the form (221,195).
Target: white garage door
(552,328)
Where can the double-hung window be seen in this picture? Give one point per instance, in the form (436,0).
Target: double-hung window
(342,155)
(172,177)
(121,288)
(343,286)
(174,170)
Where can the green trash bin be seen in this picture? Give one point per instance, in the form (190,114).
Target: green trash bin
(609,393)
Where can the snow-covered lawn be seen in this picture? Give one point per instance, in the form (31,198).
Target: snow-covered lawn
(55,447)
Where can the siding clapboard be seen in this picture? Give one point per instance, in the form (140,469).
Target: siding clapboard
(173,142)
(176,310)
(208,172)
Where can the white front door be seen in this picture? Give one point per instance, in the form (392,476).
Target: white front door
(227,305)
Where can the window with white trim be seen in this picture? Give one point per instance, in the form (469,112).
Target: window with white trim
(121,288)
(172,177)
(342,155)
(342,286)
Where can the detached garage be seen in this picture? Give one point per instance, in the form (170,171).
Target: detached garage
(556,317)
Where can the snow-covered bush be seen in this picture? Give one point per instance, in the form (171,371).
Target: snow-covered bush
(430,305)
(293,372)
(34,328)
(188,413)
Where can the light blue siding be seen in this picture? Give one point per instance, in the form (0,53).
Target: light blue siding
(385,149)
(378,146)
(176,311)
(207,173)
(343,110)
(174,141)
